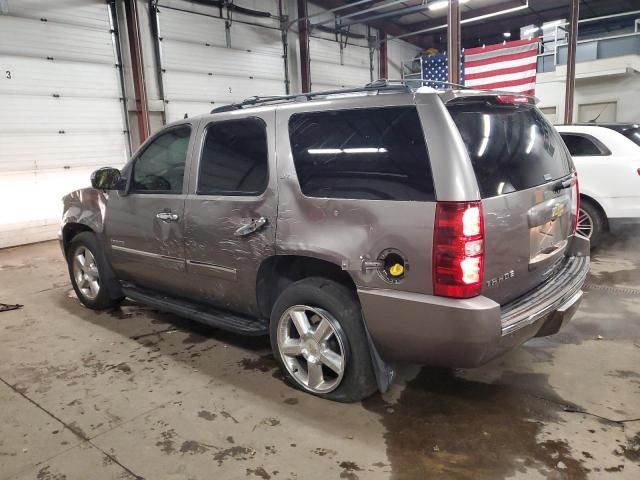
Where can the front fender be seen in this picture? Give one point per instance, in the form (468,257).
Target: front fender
(86,206)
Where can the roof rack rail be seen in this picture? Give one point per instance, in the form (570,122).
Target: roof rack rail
(377,86)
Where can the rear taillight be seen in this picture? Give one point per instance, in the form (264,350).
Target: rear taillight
(575,203)
(458,249)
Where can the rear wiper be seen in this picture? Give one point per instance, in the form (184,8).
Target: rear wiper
(562,184)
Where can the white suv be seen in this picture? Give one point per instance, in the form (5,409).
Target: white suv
(608,164)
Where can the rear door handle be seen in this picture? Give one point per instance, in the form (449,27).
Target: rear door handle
(251,227)
(167,217)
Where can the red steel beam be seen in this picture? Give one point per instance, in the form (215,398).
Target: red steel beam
(303,35)
(137,68)
(571,62)
(453,41)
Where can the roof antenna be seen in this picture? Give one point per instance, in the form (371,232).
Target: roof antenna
(598,116)
(186,115)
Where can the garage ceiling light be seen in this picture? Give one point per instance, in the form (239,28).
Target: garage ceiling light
(440,4)
(529,31)
(506,34)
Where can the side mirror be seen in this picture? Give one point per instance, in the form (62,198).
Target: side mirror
(105,178)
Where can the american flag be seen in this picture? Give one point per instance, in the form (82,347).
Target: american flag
(509,66)
(435,70)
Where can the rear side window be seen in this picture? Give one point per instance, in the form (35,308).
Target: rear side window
(234,158)
(581,145)
(372,153)
(512,147)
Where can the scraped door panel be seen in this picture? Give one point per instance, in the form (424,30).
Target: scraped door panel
(230,216)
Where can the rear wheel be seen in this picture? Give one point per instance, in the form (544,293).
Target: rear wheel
(319,341)
(91,275)
(591,223)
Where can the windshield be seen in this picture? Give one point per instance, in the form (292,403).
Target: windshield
(512,147)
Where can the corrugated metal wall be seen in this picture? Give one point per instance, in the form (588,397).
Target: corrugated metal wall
(206,65)
(61,112)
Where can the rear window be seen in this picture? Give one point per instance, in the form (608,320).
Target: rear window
(633,134)
(369,153)
(512,147)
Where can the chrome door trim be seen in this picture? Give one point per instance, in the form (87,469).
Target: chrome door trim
(205,268)
(146,254)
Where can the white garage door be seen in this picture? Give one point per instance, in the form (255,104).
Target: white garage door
(204,66)
(61,114)
(332,70)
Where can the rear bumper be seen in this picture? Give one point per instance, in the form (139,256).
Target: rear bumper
(426,329)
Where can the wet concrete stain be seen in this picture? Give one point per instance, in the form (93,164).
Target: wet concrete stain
(349,469)
(238,453)
(321,452)
(227,415)
(632,449)
(207,415)
(192,447)
(258,472)
(45,474)
(446,426)
(264,363)
(167,444)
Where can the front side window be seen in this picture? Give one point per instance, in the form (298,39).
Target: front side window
(234,158)
(160,167)
(368,153)
(580,145)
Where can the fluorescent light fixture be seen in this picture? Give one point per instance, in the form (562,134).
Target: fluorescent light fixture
(440,4)
(529,31)
(506,34)
(486,133)
(337,151)
(555,23)
(324,151)
(364,150)
(532,139)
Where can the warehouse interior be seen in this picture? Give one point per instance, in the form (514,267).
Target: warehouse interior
(135,392)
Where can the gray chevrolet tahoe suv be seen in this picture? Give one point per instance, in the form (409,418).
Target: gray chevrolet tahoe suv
(355,228)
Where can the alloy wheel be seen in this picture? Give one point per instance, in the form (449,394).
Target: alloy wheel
(85,273)
(585,224)
(310,342)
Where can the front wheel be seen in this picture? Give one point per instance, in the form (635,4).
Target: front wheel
(318,338)
(91,275)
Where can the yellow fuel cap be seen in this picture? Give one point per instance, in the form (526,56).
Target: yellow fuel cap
(396,270)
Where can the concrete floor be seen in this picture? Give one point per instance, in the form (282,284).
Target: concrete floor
(135,393)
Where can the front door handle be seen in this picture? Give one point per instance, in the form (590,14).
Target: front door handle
(252,226)
(167,217)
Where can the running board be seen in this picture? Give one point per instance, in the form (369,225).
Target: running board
(196,311)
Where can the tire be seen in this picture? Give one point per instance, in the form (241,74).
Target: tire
(323,302)
(591,218)
(108,293)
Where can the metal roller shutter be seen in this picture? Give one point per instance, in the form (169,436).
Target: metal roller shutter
(204,67)
(62,113)
(329,71)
